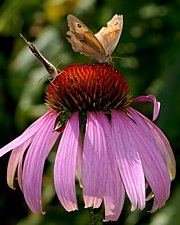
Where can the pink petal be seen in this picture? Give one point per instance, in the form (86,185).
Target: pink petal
(115,194)
(54,137)
(79,162)
(94,167)
(128,159)
(14,159)
(153,163)
(28,133)
(12,165)
(34,164)
(21,157)
(65,164)
(164,146)
(21,160)
(149,98)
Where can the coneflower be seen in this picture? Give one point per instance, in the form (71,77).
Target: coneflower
(112,149)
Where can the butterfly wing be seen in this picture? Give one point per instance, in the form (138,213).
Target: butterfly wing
(109,36)
(83,40)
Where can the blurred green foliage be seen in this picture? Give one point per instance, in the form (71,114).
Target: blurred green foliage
(148,54)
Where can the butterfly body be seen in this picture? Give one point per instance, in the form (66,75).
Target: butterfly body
(98,46)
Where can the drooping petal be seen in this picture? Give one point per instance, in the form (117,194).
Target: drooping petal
(54,137)
(12,165)
(150,98)
(115,194)
(34,164)
(94,166)
(164,146)
(28,133)
(14,159)
(128,159)
(154,166)
(65,164)
(20,163)
(79,162)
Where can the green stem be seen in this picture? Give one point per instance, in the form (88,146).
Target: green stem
(96,216)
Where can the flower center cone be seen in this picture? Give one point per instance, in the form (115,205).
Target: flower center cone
(88,88)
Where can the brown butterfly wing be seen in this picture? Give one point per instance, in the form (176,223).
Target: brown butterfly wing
(109,36)
(83,40)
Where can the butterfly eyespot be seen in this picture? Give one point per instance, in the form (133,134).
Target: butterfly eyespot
(116,23)
(79,25)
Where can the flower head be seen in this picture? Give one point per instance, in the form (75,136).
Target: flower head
(110,147)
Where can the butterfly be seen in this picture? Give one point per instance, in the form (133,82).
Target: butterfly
(97,46)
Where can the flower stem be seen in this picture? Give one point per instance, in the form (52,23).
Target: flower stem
(96,216)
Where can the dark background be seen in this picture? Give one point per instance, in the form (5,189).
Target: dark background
(148,55)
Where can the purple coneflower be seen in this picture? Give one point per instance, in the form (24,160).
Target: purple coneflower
(111,148)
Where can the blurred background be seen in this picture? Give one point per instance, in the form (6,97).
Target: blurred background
(148,55)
